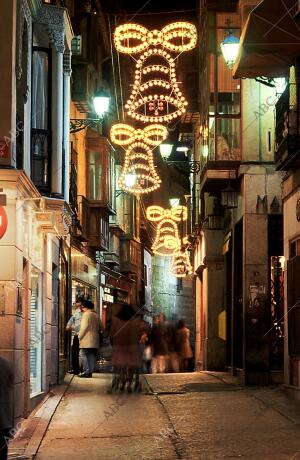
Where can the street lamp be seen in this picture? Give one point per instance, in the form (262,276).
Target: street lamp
(101,102)
(230,47)
(174,202)
(101,105)
(165,150)
(188,166)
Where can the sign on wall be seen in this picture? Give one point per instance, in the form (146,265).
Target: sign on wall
(3,215)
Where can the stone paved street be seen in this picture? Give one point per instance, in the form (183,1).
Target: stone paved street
(178,416)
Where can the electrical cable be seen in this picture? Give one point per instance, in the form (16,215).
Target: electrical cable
(113,69)
(154,13)
(120,79)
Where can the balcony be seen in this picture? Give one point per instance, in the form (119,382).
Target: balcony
(111,259)
(84,85)
(98,228)
(41,159)
(91,225)
(287,130)
(216,172)
(80,220)
(130,256)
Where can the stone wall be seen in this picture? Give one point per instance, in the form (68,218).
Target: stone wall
(176,301)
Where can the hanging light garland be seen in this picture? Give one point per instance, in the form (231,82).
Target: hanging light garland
(155,96)
(181,265)
(138,161)
(167,238)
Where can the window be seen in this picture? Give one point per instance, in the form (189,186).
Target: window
(223,99)
(95,176)
(40,118)
(295,248)
(76,45)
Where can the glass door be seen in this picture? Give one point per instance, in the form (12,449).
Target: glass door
(36,332)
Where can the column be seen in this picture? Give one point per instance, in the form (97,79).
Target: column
(66,136)
(57,123)
(8,14)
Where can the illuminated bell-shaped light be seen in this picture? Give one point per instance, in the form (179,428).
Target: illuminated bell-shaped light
(101,102)
(130,179)
(230,48)
(165,150)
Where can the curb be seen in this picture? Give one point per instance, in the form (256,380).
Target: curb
(40,418)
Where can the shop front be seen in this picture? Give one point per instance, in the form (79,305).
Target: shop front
(115,289)
(84,277)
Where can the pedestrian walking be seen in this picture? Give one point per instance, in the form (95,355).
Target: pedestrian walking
(6,408)
(126,353)
(89,334)
(184,347)
(146,351)
(159,345)
(172,343)
(73,325)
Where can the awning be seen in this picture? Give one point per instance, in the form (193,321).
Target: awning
(270,40)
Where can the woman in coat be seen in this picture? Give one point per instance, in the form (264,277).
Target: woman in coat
(126,356)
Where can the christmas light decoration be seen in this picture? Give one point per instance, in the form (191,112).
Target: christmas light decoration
(181,265)
(139,156)
(167,238)
(155,94)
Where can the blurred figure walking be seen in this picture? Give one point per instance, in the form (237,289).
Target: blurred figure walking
(126,353)
(172,343)
(184,347)
(159,345)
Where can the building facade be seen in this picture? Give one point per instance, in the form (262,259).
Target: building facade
(282,41)
(238,240)
(35,43)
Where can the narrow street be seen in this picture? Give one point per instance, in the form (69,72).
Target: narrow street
(177,416)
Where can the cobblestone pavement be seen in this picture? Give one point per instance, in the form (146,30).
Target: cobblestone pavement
(178,416)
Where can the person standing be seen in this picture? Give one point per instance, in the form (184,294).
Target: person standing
(74,326)
(6,408)
(89,334)
(184,347)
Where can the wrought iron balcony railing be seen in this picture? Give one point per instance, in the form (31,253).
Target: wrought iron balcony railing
(41,159)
